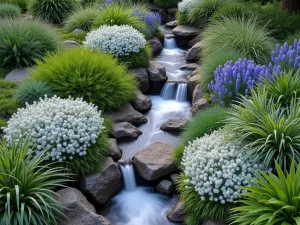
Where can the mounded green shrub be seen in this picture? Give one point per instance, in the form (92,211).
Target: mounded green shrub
(204,122)
(28,185)
(271,199)
(211,62)
(8,105)
(243,35)
(117,14)
(24,41)
(94,76)
(200,14)
(82,18)
(270,129)
(54,11)
(234,10)
(21,3)
(9,10)
(167,3)
(140,59)
(32,90)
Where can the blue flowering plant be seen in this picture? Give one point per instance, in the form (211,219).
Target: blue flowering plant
(151,19)
(234,79)
(286,57)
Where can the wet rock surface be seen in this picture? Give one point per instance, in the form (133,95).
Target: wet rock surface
(175,125)
(141,75)
(177,214)
(128,114)
(125,131)
(115,152)
(142,103)
(165,187)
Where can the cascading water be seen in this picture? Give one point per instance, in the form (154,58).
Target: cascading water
(137,205)
(181,93)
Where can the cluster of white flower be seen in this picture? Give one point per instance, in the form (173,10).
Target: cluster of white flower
(185,5)
(216,169)
(65,127)
(118,40)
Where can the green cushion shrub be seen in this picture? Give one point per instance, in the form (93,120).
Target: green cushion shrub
(54,11)
(9,10)
(24,41)
(82,18)
(21,3)
(28,185)
(272,198)
(95,77)
(242,35)
(31,91)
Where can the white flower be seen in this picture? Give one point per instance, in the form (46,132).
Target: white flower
(186,5)
(217,168)
(118,40)
(62,126)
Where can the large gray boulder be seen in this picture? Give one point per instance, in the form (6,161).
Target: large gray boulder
(125,131)
(142,103)
(165,187)
(193,54)
(197,93)
(155,45)
(141,75)
(114,151)
(177,214)
(100,187)
(128,114)
(77,209)
(184,34)
(157,76)
(154,162)
(175,125)
(18,75)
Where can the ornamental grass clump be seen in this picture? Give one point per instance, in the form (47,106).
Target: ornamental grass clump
(243,35)
(286,57)
(28,184)
(54,11)
(124,42)
(95,77)
(24,41)
(67,128)
(214,170)
(270,129)
(9,11)
(271,199)
(235,79)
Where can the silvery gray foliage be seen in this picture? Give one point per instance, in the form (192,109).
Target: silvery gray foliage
(118,40)
(66,127)
(216,168)
(185,5)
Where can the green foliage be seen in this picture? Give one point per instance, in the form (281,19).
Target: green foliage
(9,10)
(82,18)
(140,59)
(269,129)
(271,199)
(234,10)
(27,194)
(24,41)
(21,3)
(243,35)
(182,18)
(290,39)
(167,3)
(96,77)
(198,210)
(54,11)
(78,37)
(201,12)
(8,105)
(32,90)
(117,14)
(204,122)
(211,62)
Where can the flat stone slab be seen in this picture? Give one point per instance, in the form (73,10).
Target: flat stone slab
(128,114)
(125,131)
(186,31)
(175,125)
(189,66)
(18,75)
(171,24)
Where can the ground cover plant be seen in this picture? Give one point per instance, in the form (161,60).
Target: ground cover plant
(27,194)
(95,77)
(124,42)
(52,10)
(24,41)
(9,10)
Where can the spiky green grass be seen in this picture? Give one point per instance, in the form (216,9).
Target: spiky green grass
(9,11)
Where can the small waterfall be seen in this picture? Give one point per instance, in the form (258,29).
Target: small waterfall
(181,94)
(168,91)
(128,177)
(170,43)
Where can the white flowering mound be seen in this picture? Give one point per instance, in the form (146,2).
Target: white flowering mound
(118,40)
(185,5)
(216,168)
(65,127)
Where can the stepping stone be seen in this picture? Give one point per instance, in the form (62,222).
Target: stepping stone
(125,131)
(18,75)
(175,125)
